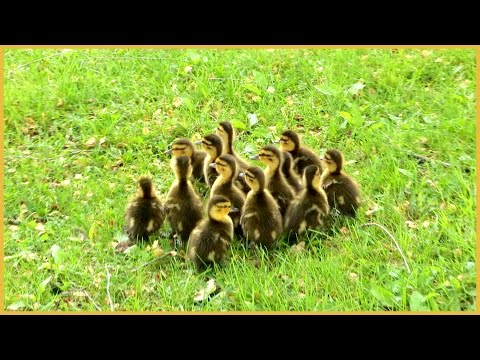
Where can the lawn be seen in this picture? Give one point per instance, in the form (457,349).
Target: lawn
(82,125)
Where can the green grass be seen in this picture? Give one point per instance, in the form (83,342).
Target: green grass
(404,102)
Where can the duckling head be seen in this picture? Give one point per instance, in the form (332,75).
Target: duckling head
(270,156)
(212,144)
(255,178)
(334,160)
(219,207)
(182,147)
(226,166)
(181,167)
(312,176)
(145,189)
(226,132)
(289,141)
(287,162)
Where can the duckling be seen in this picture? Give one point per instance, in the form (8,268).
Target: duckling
(184,147)
(260,219)
(311,209)
(227,133)
(212,144)
(224,185)
(302,156)
(341,189)
(183,206)
(290,175)
(144,214)
(281,191)
(211,238)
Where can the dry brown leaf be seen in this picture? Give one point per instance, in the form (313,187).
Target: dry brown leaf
(371,210)
(188,69)
(411,224)
(298,247)
(205,292)
(157,252)
(353,276)
(91,142)
(13,228)
(426,224)
(344,230)
(78,176)
(59,103)
(103,141)
(40,227)
(177,102)
(66,182)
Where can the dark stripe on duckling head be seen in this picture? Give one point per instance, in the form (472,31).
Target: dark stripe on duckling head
(227,160)
(292,135)
(145,183)
(336,157)
(256,174)
(218,201)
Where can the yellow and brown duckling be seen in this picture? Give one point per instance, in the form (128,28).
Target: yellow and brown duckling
(210,240)
(290,175)
(183,206)
(281,191)
(341,189)
(212,145)
(302,156)
(310,210)
(144,214)
(224,185)
(184,147)
(260,219)
(227,133)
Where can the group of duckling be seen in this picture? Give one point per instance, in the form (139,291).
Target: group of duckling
(297,190)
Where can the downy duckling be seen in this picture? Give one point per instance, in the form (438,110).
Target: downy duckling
(184,147)
(341,189)
(302,156)
(144,214)
(281,191)
(310,210)
(212,144)
(210,240)
(227,133)
(183,206)
(290,175)
(225,186)
(260,219)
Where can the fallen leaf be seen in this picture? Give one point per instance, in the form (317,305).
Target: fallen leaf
(203,294)
(177,102)
(426,223)
(298,247)
(344,230)
(103,141)
(59,103)
(65,182)
(353,276)
(40,227)
(271,89)
(78,176)
(411,224)
(371,210)
(123,246)
(252,119)
(13,228)
(355,88)
(427,52)
(16,306)
(157,252)
(91,142)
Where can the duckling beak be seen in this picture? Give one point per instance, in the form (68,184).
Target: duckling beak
(277,141)
(234,209)
(212,165)
(169,151)
(198,142)
(241,175)
(255,157)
